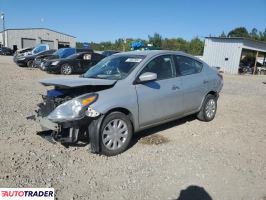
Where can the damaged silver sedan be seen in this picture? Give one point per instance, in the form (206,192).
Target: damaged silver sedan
(126,93)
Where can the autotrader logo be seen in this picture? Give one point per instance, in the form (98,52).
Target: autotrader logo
(27,193)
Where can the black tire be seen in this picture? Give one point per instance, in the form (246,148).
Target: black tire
(108,119)
(30,63)
(203,114)
(66,69)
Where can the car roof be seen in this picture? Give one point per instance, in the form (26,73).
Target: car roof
(151,52)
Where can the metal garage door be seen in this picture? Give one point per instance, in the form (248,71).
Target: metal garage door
(49,42)
(28,42)
(63,45)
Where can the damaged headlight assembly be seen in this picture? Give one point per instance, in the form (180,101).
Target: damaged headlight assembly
(74,109)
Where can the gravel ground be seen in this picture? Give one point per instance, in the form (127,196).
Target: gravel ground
(224,158)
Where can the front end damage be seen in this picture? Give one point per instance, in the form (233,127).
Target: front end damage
(67,115)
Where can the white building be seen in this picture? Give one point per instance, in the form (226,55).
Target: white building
(227,52)
(30,37)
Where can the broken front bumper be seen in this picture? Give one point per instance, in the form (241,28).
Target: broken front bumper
(46,125)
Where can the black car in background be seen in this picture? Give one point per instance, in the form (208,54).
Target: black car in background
(76,63)
(60,53)
(109,52)
(6,51)
(28,60)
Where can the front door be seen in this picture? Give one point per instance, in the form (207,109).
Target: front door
(161,99)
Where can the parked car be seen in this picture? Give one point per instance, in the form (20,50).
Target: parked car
(109,52)
(28,60)
(248,68)
(76,63)
(6,51)
(60,53)
(20,55)
(22,52)
(125,93)
(32,50)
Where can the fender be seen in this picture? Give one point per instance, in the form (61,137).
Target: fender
(94,134)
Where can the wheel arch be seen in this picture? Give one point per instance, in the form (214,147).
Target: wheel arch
(212,92)
(124,111)
(95,126)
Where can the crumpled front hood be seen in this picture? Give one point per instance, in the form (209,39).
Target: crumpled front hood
(75,82)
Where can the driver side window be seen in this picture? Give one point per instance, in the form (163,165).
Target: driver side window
(162,66)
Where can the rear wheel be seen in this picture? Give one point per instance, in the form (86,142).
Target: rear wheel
(208,109)
(66,69)
(116,134)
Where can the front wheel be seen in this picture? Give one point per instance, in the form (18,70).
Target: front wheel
(30,63)
(66,69)
(116,134)
(208,109)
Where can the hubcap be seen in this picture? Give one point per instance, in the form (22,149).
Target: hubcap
(115,134)
(210,108)
(30,64)
(66,69)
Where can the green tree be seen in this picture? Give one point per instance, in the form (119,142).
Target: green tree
(196,46)
(79,45)
(239,32)
(156,40)
(254,34)
(182,45)
(262,35)
(223,35)
(168,44)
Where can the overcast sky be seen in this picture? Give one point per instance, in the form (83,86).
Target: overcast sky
(104,20)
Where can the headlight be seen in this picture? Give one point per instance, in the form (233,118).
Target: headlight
(72,110)
(55,62)
(21,59)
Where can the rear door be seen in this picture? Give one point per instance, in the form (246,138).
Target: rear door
(193,82)
(161,99)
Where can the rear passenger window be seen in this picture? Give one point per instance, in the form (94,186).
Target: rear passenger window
(162,66)
(186,66)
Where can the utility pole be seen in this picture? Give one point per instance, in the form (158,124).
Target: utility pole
(3,33)
(255,65)
(124,44)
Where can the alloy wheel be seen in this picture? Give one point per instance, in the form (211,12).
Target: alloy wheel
(66,69)
(210,108)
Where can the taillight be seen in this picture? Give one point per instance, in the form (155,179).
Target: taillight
(221,76)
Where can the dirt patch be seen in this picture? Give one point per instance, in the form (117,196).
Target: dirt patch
(226,156)
(154,139)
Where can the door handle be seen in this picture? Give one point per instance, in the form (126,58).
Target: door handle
(205,81)
(175,87)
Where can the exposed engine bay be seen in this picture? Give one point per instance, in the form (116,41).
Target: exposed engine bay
(59,95)
(65,111)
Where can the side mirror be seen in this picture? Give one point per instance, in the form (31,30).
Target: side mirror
(147,76)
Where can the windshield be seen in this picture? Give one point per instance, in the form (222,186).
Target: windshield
(39,49)
(114,67)
(59,51)
(65,52)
